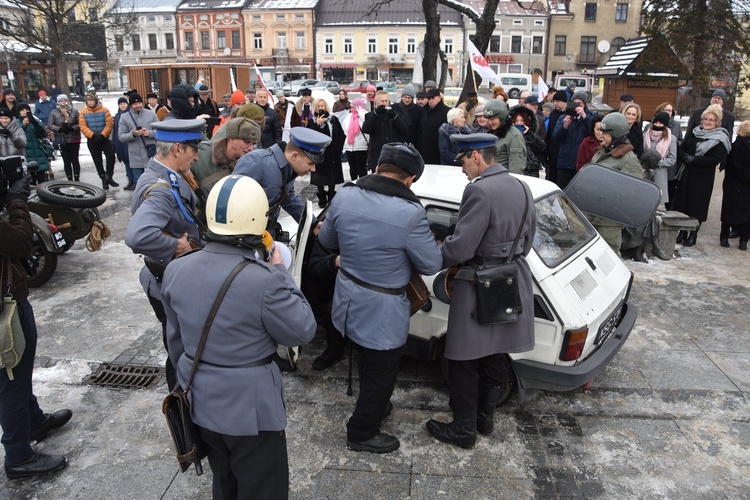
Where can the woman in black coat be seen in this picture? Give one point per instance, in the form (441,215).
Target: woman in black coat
(633,114)
(329,173)
(704,149)
(735,204)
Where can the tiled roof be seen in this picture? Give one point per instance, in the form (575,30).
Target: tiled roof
(402,12)
(626,62)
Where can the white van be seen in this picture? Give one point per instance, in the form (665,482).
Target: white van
(514,84)
(581,312)
(584,83)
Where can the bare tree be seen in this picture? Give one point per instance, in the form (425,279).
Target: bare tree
(61,28)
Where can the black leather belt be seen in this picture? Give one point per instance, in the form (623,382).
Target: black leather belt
(260,362)
(374,288)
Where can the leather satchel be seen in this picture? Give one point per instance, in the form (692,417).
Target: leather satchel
(498,296)
(417,292)
(185,433)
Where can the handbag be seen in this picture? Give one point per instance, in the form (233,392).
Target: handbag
(47,147)
(680,171)
(12,341)
(185,433)
(150,148)
(498,296)
(59,142)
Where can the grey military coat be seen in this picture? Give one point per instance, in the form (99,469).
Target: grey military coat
(157,214)
(136,149)
(491,211)
(262,308)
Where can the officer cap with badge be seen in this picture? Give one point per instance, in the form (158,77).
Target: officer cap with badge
(181,131)
(467,143)
(312,143)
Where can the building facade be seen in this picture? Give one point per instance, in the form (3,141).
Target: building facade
(211,30)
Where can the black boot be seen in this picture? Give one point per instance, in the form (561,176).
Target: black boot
(112,182)
(130,185)
(488,398)
(639,255)
(70,178)
(724,242)
(681,237)
(76,178)
(322,203)
(105,184)
(657,250)
(743,245)
(691,239)
(461,432)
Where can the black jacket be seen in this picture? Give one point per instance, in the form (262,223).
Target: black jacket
(384,126)
(272,129)
(736,200)
(432,119)
(413,121)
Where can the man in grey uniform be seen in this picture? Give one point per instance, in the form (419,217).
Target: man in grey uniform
(275,168)
(163,224)
(380,229)
(491,213)
(243,421)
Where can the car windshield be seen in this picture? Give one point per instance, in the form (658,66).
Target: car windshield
(561,229)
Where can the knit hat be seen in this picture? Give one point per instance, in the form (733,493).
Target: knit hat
(371,88)
(60,97)
(6,112)
(242,128)
(237,97)
(720,93)
(430,83)
(561,96)
(662,117)
(408,90)
(134,98)
(121,100)
(580,95)
(8,91)
(23,105)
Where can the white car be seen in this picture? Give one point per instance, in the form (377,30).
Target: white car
(581,287)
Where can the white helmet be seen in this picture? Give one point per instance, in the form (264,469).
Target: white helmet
(237,206)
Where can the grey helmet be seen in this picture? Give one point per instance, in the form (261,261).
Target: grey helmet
(616,125)
(496,107)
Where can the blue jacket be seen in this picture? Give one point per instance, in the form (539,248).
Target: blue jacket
(42,109)
(382,234)
(263,308)
(570,140)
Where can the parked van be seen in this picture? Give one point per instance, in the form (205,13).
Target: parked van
(514,84)
(584,83)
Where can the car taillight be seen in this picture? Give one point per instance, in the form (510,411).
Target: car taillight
(573,344)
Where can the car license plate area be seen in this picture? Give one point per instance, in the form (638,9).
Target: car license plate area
(609,325)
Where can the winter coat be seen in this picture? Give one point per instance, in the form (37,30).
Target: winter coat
(340,105)
(361,140)
(381,232)
(635,136)
(570,139)
(469,110)
(491,212)
(121,148)
(129,121)
(586,152)
(620,158)
(511,148)
(694,190)
(553,146)
(34,134)
(43,109)
(298,111)
(14,143)
(16,235)
(329,171)
(211,159)
(383,126)
(448,149)
(432,119)
(735,204)
(535,145)
(727,121)
(96,120)
(57,119)
(412,118)
(272,129)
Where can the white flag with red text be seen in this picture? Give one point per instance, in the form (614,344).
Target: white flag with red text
(480,66)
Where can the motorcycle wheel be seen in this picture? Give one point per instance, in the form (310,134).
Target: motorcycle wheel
(47,265)
(71,194)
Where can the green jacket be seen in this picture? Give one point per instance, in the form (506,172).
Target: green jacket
(621,158)
(511,151)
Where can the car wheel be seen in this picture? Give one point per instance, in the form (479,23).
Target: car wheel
(508,383)
(71,194)
(514,93)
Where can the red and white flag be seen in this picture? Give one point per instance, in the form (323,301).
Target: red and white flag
(480,66)
(271,97)
(543,89)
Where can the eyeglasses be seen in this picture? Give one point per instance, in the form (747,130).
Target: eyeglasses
(710,120)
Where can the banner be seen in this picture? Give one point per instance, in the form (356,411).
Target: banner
(543,89)
(271,97)
(480,66)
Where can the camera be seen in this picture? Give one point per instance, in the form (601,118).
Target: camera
(571,109)
(321,112)
(11,169)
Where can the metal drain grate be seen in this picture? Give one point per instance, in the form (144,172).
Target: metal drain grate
(125,377)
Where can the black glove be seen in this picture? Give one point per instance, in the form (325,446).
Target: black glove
(65,128)
(391,114)
(20,189)
(689,159)
(99,138)
(4,131)
(380,110)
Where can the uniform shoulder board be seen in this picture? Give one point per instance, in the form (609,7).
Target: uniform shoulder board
(159,183)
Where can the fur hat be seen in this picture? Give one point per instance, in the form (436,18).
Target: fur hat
(242,128)
(406,157)
(253,112)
